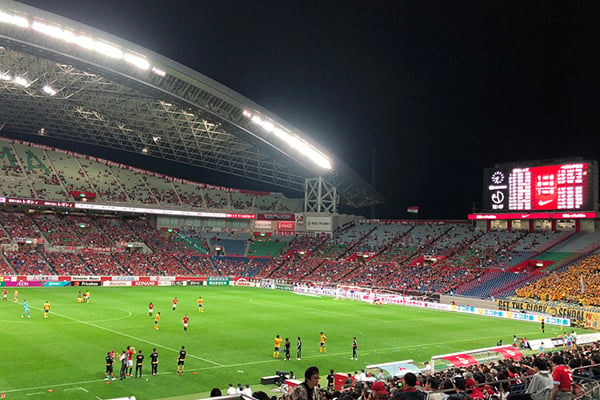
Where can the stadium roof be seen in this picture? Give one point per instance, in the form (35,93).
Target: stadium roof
(65,80)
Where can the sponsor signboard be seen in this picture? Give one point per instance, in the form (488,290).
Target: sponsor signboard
(285,226)
(266,225)
(318,224)
(218,281)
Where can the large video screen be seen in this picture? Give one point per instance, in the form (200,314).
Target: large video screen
(568,186)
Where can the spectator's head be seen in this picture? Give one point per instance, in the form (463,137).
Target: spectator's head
(311,377)
(540,364)
(459,383)
(410,379)
(557,359)
(215,392)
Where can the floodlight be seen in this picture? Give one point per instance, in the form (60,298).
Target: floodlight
(85,42)
(14,19)
(50,30)
(49,90)
(158,71)
(19,80)
(256,119)
(108,50)
(136,60)
(268,126)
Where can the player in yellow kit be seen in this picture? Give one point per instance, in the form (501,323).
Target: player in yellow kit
(322,347)
(200,304)
(156,319)
(46,309)
(277,348)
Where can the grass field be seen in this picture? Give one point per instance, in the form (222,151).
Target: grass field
(62,357)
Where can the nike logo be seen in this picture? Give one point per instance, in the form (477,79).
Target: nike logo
(544,202)
(524,215)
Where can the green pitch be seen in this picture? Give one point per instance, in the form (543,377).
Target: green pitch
(62,357)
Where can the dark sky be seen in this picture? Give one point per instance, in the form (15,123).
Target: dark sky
(441,89)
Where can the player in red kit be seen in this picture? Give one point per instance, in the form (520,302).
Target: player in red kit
(174,303)
(186,319)
(150,309)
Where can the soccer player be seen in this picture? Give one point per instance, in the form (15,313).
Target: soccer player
(543,326)
(154,362)
(174,303)
(156,319)
(5,295)
(181,359)
(109,366)
(186,319)
(16,295)
(150,309)
(287,345)
(277,347)
(200,305)
(298,349)
(130,353)
(46,309)
(322,347)
(354,349)
(79,297)
(25,310)
(86,296)
(139,361)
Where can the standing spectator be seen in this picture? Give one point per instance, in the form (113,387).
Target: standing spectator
(109,366)
(460,387)
(330,379)
(181,359)
(298,349)
(378,391)
(154,362)
(287,345)
(139,361)
(354,349)
(309,389)
(409,389)
(562,378)
(540,386)
(322,346)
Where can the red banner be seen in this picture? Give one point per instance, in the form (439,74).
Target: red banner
(509,352)
(461,360)
(285,226)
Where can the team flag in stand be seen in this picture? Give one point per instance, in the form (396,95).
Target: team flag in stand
(413,210)
(581,285)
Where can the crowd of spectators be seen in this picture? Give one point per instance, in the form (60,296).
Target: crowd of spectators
(579,284)
(529,377)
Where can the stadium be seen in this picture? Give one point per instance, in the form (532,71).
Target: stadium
(98,240)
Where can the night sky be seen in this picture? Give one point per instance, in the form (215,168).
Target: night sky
(440,89)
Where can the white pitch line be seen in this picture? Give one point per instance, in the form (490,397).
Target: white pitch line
(134,337)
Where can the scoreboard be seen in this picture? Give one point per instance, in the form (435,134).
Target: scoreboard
(541,187)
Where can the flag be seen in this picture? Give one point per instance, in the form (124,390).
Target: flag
(581,286)
(413,210)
